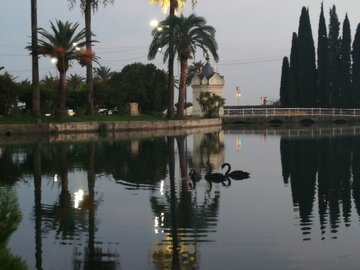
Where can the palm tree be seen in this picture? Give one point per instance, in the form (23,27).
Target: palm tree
(186,34)
(74,80)
(61,45)
(194,68)
(103,73)
(35,60)
(88,6)
(174,5)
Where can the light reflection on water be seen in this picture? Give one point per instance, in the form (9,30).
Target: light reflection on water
(130,204)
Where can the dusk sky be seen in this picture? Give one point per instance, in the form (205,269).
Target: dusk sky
(253,36)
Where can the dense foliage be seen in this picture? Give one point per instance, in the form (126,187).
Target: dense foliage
(210,103)
(285,82)
(8,89)
(333,81)
(144,84)
(140,83)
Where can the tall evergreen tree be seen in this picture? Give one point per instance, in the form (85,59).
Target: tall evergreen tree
(345,98)
(306,65)
(285,83)
(294,59)
(334,58)
(322,61)
(356,69)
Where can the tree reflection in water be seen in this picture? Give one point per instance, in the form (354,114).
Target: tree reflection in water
(183,222)
(12,163)
(328,167)
(150,154)
(37,205)
(187,217)
(62,216)
(211,150)
(95,257)
(68,219)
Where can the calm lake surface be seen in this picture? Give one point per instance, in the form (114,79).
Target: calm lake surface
(130,204)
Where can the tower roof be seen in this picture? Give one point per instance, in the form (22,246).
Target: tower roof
(207,71)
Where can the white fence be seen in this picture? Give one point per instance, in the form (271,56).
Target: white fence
(283,112)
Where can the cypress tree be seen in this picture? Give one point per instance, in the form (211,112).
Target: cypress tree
(285,83)
(356,69)
(345,98)
(306,65)
(322,61)
(294,59)
(334,58)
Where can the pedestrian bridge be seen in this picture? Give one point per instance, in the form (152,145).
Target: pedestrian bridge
(273,115)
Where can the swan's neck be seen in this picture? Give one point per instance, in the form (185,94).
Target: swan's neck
(228,169)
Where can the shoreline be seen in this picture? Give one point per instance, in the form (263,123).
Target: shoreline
(283,130)
(96,136)
(85,127)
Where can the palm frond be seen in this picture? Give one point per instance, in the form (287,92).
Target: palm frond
(64,42)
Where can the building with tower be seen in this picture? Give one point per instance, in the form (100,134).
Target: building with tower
(208,79)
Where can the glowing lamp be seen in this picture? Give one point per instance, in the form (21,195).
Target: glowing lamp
(54,60)
(154,23)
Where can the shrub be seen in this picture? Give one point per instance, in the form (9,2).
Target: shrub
(210,103)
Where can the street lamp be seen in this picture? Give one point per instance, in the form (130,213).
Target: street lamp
(54,60)
(238,95)
(154,23)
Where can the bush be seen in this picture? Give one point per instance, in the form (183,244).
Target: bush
(210,103)
(8,93)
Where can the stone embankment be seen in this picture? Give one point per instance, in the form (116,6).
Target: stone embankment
(103,127)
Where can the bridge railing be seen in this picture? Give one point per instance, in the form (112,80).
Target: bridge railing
(270,112)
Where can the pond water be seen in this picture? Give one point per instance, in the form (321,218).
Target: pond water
(130,203)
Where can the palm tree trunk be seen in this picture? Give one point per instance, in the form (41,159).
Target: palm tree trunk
(174,226)
(37,206)
(62,94)
(63,162)
(182,88)
(181,142)
(89,68)
(170,109)
(35,61)
(91,189)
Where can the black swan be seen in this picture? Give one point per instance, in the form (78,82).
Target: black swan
(195,177)
(236,175)
(214,177)
(217,178)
